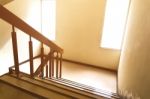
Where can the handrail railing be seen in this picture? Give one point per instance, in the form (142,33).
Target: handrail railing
(20,24)
(54,58)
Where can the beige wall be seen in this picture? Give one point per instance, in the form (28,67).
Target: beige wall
(134,68)
(79,29)
(29,11)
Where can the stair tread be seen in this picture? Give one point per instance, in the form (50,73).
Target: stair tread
(32,88)
(74,92)
(75,89)
(57,88)
(54,88)
(85,87)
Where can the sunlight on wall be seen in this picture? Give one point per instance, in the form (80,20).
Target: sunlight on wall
(6,57)
(49,18)
(114,23)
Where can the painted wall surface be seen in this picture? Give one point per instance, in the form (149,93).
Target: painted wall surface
(134,68)
(29,11)
(79,29)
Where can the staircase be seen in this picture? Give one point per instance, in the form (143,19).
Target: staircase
(29,88)
(46,81)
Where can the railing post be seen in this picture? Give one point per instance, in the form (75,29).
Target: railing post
(46,70)
(15,50)
(31,58)
(42,60)
(52,62)
(60,73)
(57,65)
(50,65)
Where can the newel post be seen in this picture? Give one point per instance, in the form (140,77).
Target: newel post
(15,50)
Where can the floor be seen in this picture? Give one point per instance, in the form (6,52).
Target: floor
(95,77)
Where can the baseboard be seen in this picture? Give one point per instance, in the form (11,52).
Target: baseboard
(81,63)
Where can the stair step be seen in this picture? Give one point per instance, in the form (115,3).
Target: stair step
(32,88)
(84,89)
(56,88)
(87,88)
(77,91)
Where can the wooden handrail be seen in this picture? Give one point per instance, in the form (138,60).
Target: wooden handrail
(12,19)
(16,22)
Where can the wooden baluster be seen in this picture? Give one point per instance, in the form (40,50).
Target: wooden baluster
(50,66)
(60,71)
(46,70)
(31,57)
(15,50)
(42,60)
(52,61)
(57,59)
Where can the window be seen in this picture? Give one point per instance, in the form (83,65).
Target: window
(48,18)
(114,24)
